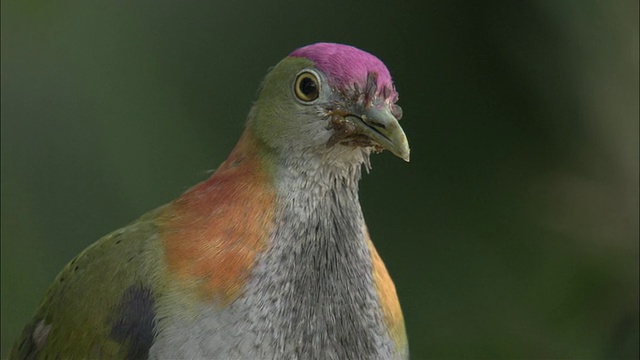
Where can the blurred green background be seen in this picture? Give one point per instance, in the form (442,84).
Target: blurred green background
(513,232)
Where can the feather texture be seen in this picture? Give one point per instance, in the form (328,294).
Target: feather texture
(268,258)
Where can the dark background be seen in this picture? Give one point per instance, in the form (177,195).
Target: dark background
(513,232)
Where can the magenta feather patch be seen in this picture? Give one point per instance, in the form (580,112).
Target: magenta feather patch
(346,66)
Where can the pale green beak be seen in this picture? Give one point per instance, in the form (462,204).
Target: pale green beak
(383,128)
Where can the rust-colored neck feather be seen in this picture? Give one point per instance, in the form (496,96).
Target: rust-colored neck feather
(213,232)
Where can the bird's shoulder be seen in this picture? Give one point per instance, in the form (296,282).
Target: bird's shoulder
(102,304)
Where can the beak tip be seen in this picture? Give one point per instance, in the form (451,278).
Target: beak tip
(401,147)
(401,152)
(405,156)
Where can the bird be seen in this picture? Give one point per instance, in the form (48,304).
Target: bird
(269,258)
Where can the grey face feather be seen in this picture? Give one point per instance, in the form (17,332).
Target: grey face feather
(353,118)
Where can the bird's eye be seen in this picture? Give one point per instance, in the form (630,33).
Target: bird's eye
(306,87)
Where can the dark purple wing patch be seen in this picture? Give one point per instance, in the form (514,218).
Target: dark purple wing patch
(134,322)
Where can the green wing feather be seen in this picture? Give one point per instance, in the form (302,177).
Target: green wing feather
(102,304)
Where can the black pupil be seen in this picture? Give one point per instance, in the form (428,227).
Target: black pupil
(308,87)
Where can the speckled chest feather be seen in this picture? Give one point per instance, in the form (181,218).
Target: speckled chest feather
(311,294)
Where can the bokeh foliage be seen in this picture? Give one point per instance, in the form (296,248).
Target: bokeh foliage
(513,232)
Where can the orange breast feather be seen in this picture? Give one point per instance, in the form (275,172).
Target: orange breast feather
(389,303)
(213,232)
